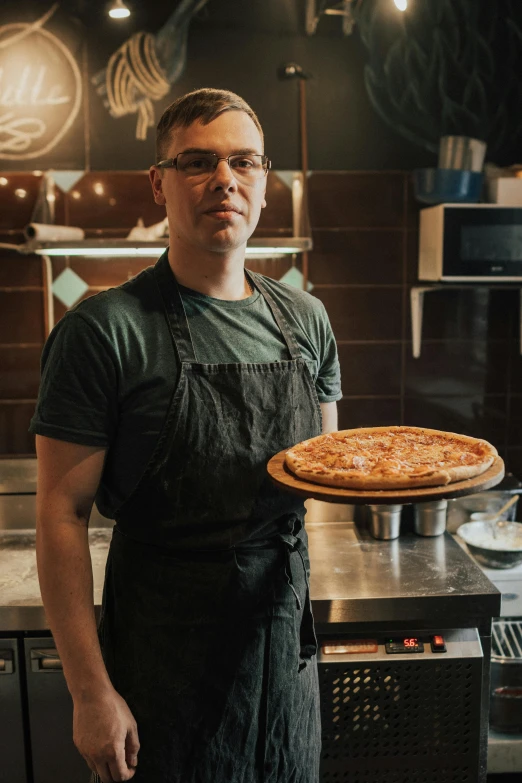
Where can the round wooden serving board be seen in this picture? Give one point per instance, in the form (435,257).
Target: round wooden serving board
(280,474)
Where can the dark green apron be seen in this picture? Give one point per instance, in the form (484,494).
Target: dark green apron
(206,626)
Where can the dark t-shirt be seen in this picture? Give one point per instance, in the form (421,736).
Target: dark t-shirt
(109,366)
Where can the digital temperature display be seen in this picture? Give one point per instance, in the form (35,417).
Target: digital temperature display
(408,644)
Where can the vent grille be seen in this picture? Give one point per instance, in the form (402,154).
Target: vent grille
(385,722)
(446,774)
(506,641)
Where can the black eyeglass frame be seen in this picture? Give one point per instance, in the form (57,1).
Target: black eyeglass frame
(171,163)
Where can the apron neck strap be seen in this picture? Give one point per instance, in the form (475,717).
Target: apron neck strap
(291,342)
(174,309)
(178,320)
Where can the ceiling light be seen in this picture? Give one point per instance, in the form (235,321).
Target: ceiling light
(118,10)
(401,4)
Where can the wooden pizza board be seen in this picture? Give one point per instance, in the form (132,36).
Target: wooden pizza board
(280,474)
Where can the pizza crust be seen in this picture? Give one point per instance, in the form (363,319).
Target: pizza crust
(310,460)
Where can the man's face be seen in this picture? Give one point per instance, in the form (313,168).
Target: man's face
(218,213)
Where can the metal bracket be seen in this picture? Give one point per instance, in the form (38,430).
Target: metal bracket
(342,8)
(417,309)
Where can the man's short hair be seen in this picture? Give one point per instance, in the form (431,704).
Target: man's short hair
(205,105)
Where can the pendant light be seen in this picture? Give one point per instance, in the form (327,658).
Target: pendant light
(402,5)
(118,10)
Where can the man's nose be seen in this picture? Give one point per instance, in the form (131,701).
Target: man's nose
(223,177)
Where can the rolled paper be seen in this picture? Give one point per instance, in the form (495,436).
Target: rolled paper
(44,232)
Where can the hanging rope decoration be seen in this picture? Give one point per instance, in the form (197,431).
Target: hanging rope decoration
(134,78)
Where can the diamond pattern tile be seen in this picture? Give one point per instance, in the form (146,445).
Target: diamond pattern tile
(294,277)
(69,287)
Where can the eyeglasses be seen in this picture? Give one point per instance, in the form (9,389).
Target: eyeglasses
(246,168)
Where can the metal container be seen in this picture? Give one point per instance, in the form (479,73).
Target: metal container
(503,552)
(506,676)
(320,511)
(461,152)
(385,521)
(488,502)
(429,519)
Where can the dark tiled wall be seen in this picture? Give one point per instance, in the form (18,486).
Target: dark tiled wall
(469,375)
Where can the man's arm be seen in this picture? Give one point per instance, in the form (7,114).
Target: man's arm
(329,411)
(104,729)
(68,477)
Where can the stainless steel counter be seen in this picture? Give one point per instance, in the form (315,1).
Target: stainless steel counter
(357,579)
(354,578)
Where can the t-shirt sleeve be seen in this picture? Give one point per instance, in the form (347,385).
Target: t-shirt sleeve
(328,383)
(78,395)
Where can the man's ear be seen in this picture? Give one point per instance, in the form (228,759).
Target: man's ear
(156,182)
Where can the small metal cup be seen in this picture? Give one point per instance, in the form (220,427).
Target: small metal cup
(429,519)
(385,521)
(461,152)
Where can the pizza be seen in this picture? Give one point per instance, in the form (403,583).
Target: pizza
(389,458)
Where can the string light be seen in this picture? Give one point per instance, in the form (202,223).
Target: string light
(118,10)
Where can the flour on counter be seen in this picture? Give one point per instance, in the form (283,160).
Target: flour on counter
(19,584)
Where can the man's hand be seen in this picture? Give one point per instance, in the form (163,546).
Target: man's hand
(106,735)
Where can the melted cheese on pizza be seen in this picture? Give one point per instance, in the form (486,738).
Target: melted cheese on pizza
(404,451)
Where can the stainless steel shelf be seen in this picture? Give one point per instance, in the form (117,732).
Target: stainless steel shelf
(103,248)
(504,752)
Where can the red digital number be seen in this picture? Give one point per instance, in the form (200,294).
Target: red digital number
(410,642)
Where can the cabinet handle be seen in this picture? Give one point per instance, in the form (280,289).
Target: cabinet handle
(46,659)
(6,662)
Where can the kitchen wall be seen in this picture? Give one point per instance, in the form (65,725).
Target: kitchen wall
(469,375)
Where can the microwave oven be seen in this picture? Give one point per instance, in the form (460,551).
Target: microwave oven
(471,243)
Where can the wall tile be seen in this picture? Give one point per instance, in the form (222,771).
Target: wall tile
(515,368)
(14,423)
(18,270)
(368,412)
(367,313)
(356,257)
(413,207)
(271,267)
(13,236)
(370,368)
(359,200)
(16,211)
(21,317)
(457,367)
(19,372)
(514,428)
(475,313)
(514,465)
(113,199)
(412,257)
(480,417)
(109,272)
(278,210)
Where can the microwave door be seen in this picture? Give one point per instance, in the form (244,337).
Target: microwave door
(482,244)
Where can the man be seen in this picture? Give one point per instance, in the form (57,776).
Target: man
(164,398)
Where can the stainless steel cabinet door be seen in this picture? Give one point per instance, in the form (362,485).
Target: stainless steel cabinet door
(54,755)
(12,744)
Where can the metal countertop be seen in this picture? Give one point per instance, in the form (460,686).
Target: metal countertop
(357,579)
(354,578)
